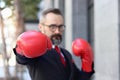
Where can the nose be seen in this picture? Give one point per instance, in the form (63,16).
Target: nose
(57,30)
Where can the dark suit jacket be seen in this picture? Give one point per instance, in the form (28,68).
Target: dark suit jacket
(49,67)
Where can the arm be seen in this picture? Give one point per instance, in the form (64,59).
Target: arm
(22,59)
(82,49)
(30,45)
(82,75)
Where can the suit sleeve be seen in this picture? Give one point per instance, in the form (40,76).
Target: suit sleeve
(22,59)
(81,75)
(78,74)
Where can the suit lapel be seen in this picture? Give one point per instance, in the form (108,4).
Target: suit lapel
(69,62)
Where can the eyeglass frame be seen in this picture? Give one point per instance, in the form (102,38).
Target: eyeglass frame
(53,27)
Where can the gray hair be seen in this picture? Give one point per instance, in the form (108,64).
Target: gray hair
(50,10)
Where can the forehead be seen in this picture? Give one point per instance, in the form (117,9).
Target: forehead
(52,18)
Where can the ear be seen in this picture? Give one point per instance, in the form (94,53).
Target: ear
(40,27)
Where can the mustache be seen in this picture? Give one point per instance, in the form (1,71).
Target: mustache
(56,39)
(56,36)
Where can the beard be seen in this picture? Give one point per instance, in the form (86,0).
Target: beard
(56,39)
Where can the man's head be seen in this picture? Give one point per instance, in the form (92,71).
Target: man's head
(52,24)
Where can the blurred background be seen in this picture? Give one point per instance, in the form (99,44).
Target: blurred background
(97,21)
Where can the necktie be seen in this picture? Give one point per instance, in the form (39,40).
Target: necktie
(60,54)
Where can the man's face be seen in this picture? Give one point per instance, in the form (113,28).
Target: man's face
(53,27)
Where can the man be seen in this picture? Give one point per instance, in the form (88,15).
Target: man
(44,59)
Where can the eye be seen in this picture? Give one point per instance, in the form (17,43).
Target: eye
(61,26)
(53,26)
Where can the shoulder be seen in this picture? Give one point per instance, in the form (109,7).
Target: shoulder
(66,52)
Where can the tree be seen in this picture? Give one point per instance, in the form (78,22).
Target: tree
(21,12)
(29,8)
(19,24)
(5,57)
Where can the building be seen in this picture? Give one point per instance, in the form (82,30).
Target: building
(97,21)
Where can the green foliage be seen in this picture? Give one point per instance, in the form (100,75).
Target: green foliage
(29,8)
(8,2)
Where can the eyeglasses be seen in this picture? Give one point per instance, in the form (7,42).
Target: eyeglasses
(53,27)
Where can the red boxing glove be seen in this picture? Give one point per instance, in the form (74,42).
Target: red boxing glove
(33,44)
(81,48)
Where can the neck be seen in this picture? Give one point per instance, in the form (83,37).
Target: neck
(53,46)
